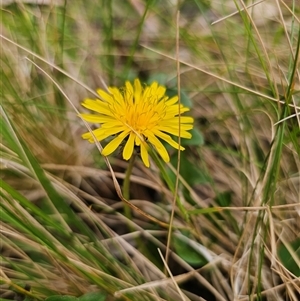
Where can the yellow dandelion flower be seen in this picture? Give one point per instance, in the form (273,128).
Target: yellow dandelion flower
(138,115)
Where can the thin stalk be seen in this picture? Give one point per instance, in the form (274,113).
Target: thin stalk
(126,185)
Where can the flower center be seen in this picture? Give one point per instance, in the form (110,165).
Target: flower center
(143,114)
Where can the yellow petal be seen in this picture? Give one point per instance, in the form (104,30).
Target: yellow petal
(159,147)
(105,96)
(112,124)
(174,110)
(117,95)
(174,120)
(171,101)
(129,93)
(153,87)
(160,92)
(101,134)
(168,139)
(183,127)
(97,106)
(160,106)
(128,149)
(175,131)
(137,90)
(137,140)
(144,154)
(150,92)
(96,118)
(113,145)
(87,136)
(175,125)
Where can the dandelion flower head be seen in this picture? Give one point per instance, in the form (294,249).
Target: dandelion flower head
(137,115)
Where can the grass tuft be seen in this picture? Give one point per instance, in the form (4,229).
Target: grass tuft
(66,228)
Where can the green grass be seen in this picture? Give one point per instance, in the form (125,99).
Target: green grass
(65,226)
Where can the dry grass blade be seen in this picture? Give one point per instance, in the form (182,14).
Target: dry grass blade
(224,213)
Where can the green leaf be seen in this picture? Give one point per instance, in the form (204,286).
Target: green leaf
(188,253)
(161,78)
(93,296)
(224,199)
(288,256)
(197,138)
(61,298)
(189,171)
(184,98)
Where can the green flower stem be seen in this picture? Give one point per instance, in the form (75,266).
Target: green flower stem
(169,182)
(126,185)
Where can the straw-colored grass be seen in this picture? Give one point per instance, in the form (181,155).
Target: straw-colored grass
(66,228)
